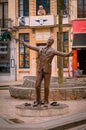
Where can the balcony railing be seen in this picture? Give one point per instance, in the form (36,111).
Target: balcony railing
(39,21)
(36,21)
(46,20)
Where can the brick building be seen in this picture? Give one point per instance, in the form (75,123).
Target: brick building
(17,61)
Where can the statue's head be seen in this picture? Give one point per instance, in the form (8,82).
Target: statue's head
(40,7)
(50,41)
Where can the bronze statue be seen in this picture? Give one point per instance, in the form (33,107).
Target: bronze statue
(46,55)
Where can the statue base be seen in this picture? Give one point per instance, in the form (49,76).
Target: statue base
(53,109)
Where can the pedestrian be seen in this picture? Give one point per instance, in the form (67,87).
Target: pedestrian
(46,55)
(41,10)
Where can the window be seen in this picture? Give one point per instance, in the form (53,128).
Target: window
(64,7)
(23,8)
(4,14)
(81,7)
(65,48)
(24,54)
(45,4)
(4,57)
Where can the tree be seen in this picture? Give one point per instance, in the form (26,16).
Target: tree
(60,64)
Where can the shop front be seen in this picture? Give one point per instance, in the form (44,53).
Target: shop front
(79,47)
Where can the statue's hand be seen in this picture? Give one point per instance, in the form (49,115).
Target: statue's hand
(22,41)
(19,40)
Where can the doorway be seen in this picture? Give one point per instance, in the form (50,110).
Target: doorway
(82,60)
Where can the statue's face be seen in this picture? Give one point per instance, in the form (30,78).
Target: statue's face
(40,7)
(50,41)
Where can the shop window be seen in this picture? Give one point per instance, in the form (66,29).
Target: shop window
(81,8)
(64,7)
(65,48)
(4,57)
(24,54)
(4,14)
(23,7)
(45,4)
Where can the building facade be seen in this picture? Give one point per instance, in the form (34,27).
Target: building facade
(17,61)
(79,38)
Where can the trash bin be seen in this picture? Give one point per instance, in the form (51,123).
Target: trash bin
(81,72)
(76,73)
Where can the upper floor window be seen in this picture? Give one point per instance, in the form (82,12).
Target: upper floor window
(23,7)
(64,7)
(4,14)
(24,56)
(45,4)
(81,8)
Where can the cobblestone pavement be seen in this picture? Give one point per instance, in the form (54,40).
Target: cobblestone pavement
(8,109)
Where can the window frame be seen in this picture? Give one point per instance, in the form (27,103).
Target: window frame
(82,5)
(64,38)
(24,50)
(43,3)
(24,11)
(4,15)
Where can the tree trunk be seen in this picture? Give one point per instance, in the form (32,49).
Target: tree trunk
(60,61)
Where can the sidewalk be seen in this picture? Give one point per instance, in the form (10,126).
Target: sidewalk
(8,83)
(8,109)
(8,113)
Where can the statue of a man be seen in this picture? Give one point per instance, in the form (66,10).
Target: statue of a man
(46,55)
(41,11)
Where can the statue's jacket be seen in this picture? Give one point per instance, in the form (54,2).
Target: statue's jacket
(45,57)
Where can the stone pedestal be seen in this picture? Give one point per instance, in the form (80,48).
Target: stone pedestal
(28,110)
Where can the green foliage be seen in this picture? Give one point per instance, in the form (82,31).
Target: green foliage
(5,36)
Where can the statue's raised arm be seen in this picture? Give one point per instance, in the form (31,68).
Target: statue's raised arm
(63,54)
(35,48)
